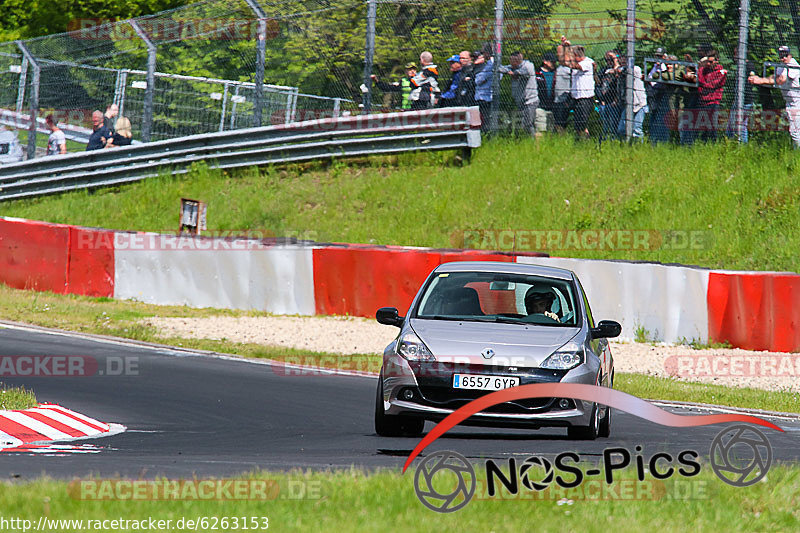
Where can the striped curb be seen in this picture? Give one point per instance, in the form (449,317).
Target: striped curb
(49,423)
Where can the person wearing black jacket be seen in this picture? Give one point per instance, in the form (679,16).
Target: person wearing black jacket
(545,82)
(467,91)
(402,86)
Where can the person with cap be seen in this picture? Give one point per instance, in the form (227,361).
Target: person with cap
(452,96)
(425,85)
(787,78)
(523,88)
(711,78)
(545,83)
(660,96)
(402,86)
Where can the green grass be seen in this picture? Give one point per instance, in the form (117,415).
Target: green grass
(16,397)
(742,201)
(353,500)
(672,389)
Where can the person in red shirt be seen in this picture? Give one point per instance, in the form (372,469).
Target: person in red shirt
(711,78)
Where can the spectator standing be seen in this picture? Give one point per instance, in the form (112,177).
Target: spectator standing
(788,79)
(57,142)
(100,134)
(483,86)
(582,91)
(610,93)
(640,108)
(468,80)
(545,83)
(562,101)
(123,136)
(109,117)
(402,86)
(711,78)
(661,94)
(523,88)
(425,85)
(452,96)
(686,98)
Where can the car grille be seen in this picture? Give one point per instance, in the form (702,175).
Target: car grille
(435,382)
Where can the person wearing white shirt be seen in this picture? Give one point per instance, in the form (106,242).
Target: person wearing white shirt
(788,80)
(582,91)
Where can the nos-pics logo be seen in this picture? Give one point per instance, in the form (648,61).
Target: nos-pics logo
(445,481)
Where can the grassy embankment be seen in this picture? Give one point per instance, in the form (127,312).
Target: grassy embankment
(741,201)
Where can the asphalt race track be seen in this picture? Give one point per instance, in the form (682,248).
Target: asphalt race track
(216,417)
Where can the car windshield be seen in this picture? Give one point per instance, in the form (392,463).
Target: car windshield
(496,297)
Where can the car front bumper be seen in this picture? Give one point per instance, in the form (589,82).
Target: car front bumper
(434,398)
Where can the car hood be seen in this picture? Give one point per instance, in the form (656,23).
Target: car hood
(513,345)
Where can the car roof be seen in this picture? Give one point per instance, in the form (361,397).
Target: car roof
(506,268)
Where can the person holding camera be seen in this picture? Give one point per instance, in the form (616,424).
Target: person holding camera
(582,90)
(711,78)
(788,79)
(612,83)
(661,92)
(523,88)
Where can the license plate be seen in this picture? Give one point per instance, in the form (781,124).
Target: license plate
(470,381)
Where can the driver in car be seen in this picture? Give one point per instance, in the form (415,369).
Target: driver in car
(539,302)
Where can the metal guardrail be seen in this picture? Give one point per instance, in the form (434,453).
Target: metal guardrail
(378,134)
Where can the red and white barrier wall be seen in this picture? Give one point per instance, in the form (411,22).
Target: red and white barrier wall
(753,310)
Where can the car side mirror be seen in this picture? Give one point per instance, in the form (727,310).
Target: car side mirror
(389,316)
(606,329)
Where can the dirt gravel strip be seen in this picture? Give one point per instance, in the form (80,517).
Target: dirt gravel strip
(353,335)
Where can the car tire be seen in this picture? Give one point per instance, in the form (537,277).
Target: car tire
(604,430)
(394,425)
(586,432)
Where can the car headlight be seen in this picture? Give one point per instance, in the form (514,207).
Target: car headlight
(412,348)
(568,356)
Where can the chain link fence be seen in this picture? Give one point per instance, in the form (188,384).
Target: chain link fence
(678,71)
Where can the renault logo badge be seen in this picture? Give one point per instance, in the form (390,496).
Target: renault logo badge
(488,353)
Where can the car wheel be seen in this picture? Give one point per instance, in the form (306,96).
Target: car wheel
(604,430)
(394,425)
(586,432)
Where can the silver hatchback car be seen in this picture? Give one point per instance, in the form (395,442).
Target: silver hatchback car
(477,327)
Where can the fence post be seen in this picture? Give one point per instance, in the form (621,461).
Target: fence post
(498,58)
(369,53)
(261,53)
(147,114)
(123,83)
(34,99)
(224,107)
(337,104)
(741,66)
(23,78)
(630,53)
(233,105)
